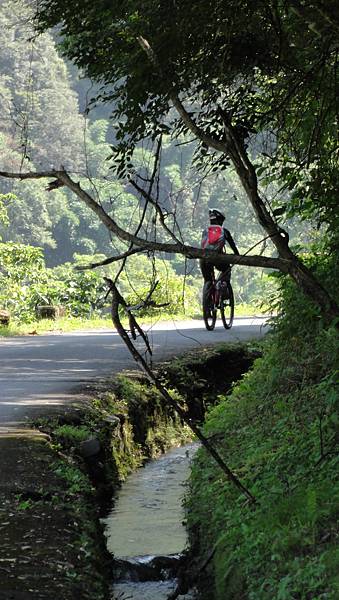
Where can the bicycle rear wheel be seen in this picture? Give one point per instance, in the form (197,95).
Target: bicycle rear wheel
(227,308)
(208,309)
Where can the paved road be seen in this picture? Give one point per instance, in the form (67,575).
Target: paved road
(51,369)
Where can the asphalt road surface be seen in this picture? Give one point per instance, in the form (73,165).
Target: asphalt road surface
(46,371)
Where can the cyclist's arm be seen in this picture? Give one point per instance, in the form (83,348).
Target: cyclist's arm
(231,241)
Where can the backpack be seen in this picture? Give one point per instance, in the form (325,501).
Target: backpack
(213,238)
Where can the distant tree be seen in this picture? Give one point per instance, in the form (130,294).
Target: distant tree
(39,111)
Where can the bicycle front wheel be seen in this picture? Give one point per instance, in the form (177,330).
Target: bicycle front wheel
(208,309)
(227,308)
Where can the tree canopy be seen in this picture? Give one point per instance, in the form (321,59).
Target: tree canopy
(271,65)
(253,86)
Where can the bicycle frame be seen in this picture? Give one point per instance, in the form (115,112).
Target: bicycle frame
(216,292)
(214,300)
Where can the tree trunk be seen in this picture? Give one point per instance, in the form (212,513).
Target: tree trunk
(233,147)
(301,274)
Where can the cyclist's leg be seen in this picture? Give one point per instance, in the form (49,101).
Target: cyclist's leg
(207,271)
(225,276)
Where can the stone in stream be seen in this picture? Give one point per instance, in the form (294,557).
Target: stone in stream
(113,420)
(147,568)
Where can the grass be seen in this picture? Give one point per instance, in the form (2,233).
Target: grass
(69,324)
(64,324)
(277,431)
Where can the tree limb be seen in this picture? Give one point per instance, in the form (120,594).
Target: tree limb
(155,168)
(234,148)
(148,302)
(149,198)
(178,248)
(118,300)
(108,261)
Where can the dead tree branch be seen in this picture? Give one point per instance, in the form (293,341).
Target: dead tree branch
(110,260)
(280,264)
(151,182)
(117,301)
(158,209)
(148,302)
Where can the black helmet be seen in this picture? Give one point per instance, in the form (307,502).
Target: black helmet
(216,216)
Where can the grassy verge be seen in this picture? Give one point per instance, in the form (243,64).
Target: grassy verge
(278,432)
(69,324)
(64,324)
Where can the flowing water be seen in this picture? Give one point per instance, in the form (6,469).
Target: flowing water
(146,522)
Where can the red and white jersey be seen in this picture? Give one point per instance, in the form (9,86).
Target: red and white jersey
(215,237)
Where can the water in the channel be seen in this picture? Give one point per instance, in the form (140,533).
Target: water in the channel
(147,521)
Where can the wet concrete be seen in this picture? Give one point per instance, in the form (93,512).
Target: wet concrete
(147,521)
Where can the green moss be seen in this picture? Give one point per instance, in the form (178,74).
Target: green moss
(148,426)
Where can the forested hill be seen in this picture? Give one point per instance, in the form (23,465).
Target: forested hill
(41,127)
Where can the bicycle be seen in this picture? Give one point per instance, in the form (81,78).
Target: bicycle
(218,295)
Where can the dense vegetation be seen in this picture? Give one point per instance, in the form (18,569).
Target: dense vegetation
(42,126)
(41,123)
(27,284)
(278,431)
(246,81)
(198,92)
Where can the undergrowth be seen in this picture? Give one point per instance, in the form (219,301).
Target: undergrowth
(69,324)
(149,426)
(278,432)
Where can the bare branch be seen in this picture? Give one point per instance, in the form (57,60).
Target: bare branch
(110,260)
(178,248)
(118,300)
(29,175)
(155,168)
(148,302)
(157,207)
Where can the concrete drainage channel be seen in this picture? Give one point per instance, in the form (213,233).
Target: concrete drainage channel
(57,483)
(145,530)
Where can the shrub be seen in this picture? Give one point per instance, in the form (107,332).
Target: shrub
(278,432)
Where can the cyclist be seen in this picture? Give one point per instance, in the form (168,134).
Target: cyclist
(215,237)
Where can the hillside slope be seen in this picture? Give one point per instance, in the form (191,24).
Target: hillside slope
(278,432)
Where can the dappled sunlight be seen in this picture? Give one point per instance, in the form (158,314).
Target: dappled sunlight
(53,370)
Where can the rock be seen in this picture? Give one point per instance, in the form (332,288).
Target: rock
(5,316)
(112,420)
(147,568)
(70,418)
(48,311)
(90,447)
(166,566)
